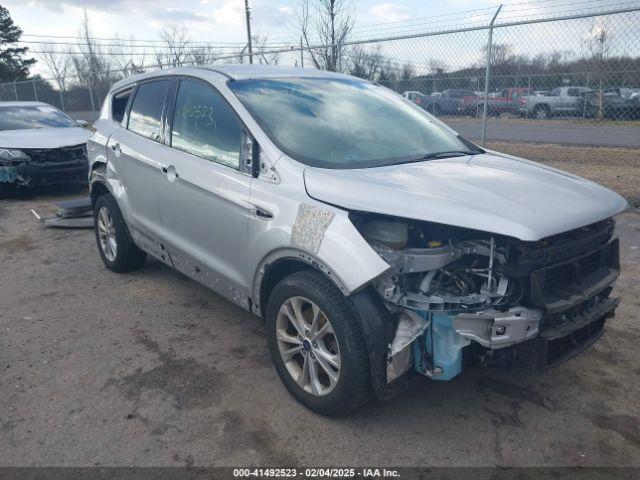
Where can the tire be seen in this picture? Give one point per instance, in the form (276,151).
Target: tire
(343,335)
(435,110)
(541,112)
(124,255)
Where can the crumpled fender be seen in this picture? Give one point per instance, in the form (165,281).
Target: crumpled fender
(325,238)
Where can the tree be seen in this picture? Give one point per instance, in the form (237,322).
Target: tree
(13,65)
(127,59)
(326,23)
(93,69)
(365,64)
(58,64)
(408,72)
(501,54)
(261,49)
(176,48)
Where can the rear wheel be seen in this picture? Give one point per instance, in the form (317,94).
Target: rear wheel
(117,250)
(316,344)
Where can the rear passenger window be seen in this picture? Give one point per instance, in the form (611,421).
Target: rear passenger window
(205,125)
(146,110)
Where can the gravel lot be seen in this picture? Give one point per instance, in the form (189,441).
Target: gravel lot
(152,369)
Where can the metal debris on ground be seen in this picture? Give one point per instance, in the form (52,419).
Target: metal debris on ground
(75,213)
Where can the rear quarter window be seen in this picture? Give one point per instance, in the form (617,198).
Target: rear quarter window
(119,104)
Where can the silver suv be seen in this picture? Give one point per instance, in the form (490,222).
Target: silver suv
(378,245)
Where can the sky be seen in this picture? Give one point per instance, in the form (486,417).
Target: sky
(223,20)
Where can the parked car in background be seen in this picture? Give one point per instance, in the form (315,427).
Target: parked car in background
(415,97)
(379,246)
(445,102)
(541,93)
(562,101)
(504,101)
(619,103)
(40,145)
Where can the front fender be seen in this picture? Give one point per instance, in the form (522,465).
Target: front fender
(325,238)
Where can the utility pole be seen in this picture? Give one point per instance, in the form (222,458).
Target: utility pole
(487,78)
(301,54)
(248,15)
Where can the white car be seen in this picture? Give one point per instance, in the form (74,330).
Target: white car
(40,145)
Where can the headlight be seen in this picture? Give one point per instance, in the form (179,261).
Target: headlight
(10,155)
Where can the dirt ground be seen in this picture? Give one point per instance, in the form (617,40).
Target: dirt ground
(151,368)
(616,168)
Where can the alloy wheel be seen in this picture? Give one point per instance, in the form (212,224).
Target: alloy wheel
(308,346)
(107,234)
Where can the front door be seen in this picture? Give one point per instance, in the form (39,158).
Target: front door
(204,197)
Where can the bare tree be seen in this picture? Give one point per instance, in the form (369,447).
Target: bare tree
(202,55)
(92,68)
(58,64)
(501,54)
(599,41)
(327,23)
(127,59)
(261,49)
(176,48)
(365,64)
(408,72)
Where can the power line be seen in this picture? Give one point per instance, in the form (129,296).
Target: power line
(121,39)
(159,46)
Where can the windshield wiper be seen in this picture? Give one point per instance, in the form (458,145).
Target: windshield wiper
(447,154)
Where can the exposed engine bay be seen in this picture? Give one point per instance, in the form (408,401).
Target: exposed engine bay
(452,288)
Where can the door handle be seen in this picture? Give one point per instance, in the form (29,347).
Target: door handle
(171,172)
(116,149)
(261,213)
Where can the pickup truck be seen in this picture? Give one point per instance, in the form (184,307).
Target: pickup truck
(569,101)
(446,102)
(506,101)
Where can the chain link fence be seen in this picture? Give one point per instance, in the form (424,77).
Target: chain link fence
(577,68)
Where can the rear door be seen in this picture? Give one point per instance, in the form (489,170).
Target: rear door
(134,155)
(204,195)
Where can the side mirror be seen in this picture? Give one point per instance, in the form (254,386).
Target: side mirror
(82,123)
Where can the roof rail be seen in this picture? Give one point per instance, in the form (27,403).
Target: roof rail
(212,69)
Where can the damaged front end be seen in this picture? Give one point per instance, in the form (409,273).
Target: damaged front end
(455,294)
(43,166)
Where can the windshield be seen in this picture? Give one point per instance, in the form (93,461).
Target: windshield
(33,116)
(343,123)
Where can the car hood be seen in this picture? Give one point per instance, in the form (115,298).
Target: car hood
(489,192)
(44,137)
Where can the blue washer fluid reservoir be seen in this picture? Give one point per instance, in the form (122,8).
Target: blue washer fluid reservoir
(439,348)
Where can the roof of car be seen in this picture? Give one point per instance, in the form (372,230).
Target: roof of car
(236,72)
(23,104)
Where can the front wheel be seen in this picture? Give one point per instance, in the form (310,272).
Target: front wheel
(316,344)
